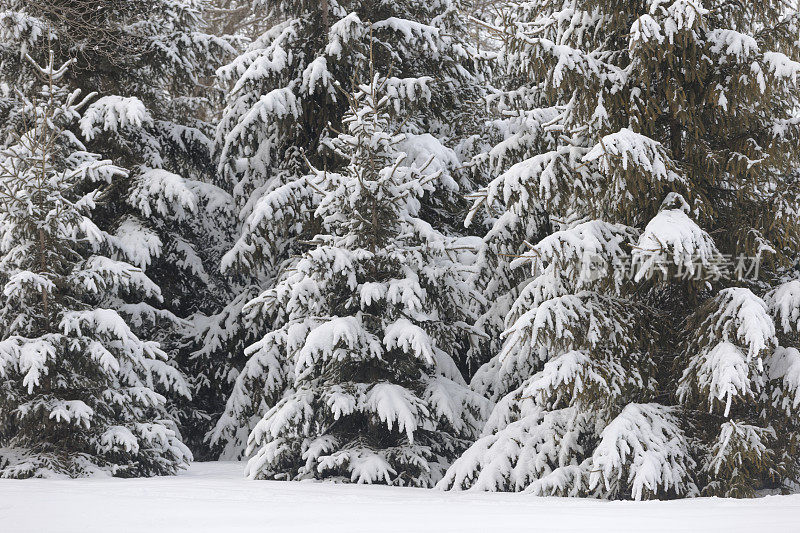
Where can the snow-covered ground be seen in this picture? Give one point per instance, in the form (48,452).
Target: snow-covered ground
(214,497)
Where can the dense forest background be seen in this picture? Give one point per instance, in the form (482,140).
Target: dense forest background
(549,246)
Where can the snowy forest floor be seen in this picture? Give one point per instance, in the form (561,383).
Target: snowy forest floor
(214,497)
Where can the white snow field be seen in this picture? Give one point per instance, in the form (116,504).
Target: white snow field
(215,497)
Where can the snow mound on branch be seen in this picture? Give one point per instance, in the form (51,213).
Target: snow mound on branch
(576,251)
(98,273)
(163,192)
(732,43)
(21,282)
(784,303)
(724,371)
(119,437)
(317,73)
(113,114)
(136,242)
(672,238)
(425,149)
(72,411)
(743,317)
(781,66)
(336,339)
(28,356)
(635,150)
(410,338)
(784,366)
(396,404)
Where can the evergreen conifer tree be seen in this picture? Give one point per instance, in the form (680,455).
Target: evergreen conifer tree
(636,363)
(370,318)
(282,101)
(146,60)
(81,392)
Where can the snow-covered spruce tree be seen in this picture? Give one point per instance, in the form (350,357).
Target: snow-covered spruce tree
(736,141)
(147,60)
(282,100)
(370,319)
(80,392)
(667,117)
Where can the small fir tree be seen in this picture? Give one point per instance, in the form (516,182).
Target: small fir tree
(281,101)
(148,60)
(81,392)
(370,318)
